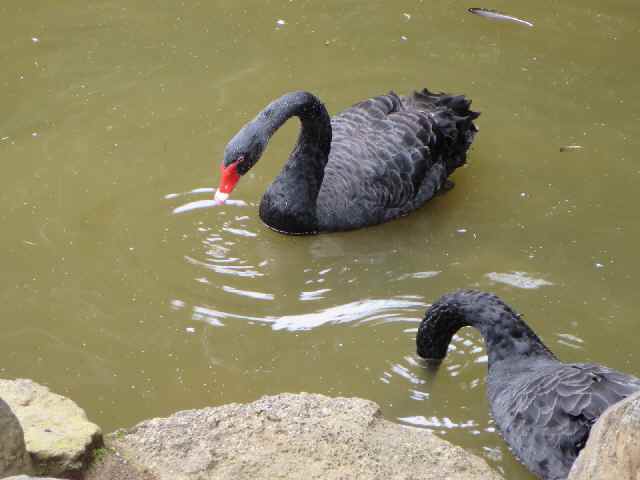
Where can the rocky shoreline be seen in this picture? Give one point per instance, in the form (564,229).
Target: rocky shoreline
(286,436)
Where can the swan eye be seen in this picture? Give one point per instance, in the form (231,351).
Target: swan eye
(241,164)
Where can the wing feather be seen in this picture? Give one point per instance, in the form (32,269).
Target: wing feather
(384,157)
(546,414)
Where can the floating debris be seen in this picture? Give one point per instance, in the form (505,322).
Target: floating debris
(518,280)
(280,23)
(571,148)
(496,15)
(419,275)
(404,38)
(407,16)
(35,39)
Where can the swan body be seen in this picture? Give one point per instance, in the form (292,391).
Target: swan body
(543,408)
(376,161)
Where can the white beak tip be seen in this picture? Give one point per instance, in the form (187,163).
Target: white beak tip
(220,197)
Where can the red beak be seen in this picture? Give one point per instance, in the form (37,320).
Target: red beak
(229,177)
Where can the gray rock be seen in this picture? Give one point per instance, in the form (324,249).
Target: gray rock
(57,434)
(291,436)
(13,454)
(113,466)
(613,449)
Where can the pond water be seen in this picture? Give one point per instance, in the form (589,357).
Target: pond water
(118,292)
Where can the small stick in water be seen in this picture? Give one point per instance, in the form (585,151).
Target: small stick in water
(495,15)
(568,148)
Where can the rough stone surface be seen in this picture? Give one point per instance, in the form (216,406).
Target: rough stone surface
(293,437)
(113,466)
(613,449)
(57,434)
(13,454)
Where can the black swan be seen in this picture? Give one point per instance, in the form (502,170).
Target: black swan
(376,161)
(543,408)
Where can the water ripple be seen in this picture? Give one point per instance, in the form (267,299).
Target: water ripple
(360,311)
(314,294)
(437,423)
(240,231)
(407,374)
(248,293)
(197,204)
(237,270)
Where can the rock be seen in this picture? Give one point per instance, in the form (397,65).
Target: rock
(57,434)
(291,436)
(613,449)
(112,466)
(13,454)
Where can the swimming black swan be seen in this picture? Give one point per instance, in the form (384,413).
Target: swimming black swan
(376,161)
(543,408)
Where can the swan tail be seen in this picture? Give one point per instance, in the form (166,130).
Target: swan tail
(453,121)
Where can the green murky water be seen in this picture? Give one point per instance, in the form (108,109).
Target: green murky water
(113,115)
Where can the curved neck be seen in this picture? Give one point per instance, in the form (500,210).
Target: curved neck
(308,108)
(289,205)
(506,335)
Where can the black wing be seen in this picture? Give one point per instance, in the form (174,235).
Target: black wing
(390,154)
(546,419)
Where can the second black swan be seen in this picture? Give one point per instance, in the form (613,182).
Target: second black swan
(543,408)
(376,161)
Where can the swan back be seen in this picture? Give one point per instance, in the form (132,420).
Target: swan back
(545,410)
(390,154)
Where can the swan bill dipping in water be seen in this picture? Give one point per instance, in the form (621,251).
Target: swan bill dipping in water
(376,161)
(543,408)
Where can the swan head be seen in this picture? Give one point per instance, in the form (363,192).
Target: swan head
(440,323)
(241,154)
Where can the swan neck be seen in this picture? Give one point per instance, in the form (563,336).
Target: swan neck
(506,335)
(314,118)
(289,204)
